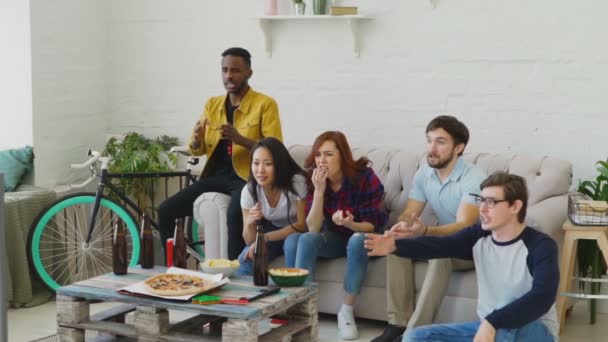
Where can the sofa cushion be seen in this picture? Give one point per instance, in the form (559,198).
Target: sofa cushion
(545,176)
(14,164)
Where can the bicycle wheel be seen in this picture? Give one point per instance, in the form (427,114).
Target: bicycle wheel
(57,249)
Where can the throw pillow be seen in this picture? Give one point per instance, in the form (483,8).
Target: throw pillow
(15,164)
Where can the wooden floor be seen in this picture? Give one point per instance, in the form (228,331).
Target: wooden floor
(35,323)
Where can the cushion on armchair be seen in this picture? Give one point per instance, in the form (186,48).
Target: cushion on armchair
(15,164)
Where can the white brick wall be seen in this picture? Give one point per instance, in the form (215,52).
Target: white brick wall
(16,79)
(528,77)
(69,67)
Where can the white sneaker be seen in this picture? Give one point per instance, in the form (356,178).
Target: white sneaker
(346,325)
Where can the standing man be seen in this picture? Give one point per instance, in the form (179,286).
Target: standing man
(517,270)
(229,126)
(445,184)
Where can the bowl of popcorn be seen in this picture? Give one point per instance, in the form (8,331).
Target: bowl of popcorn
(223,266)
(285,276)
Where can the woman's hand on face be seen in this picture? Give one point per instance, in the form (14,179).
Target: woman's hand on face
(255,214)
(343,218)
(319,178)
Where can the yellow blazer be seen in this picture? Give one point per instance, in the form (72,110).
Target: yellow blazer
(256,117)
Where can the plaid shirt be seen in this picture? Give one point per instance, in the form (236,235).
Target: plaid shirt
(361,196)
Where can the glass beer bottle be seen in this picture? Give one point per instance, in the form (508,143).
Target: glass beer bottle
(260,258)
(179,245)
(146,238)
(120,263)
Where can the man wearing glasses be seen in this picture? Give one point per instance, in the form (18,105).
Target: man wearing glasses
(445,184)
(516,265)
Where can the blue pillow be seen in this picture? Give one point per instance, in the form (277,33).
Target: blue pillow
(15,164)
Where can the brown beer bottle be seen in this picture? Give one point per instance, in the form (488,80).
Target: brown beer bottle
(179,245)
(146,258)
(119,248)
(260,257)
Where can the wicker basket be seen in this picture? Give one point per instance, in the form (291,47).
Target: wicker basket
(584,212)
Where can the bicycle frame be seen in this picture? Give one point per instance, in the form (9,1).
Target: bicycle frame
(103,182)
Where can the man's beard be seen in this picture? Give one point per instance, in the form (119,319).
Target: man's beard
(440,164)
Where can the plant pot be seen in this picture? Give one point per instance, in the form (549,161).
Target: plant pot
(299,8)
(319,7)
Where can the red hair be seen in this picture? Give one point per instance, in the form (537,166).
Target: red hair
(350,167)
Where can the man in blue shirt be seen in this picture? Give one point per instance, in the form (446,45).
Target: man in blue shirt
(516,265)
(445,184)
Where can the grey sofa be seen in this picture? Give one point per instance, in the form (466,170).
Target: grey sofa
(548,181)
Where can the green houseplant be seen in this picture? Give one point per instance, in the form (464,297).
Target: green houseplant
(134,153)
(590,260)
(299,7)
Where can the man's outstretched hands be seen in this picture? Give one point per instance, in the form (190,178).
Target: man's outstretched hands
(408,228)
(379,245)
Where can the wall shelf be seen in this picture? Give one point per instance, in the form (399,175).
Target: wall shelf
(351,20)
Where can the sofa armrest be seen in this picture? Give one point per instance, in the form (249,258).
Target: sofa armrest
(209,211)
(548,216)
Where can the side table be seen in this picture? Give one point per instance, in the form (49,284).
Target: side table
(572,234)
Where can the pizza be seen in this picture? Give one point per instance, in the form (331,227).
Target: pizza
(175,284)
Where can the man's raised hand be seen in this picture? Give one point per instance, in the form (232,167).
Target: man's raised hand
(408,228)
(198,134)
(230,133)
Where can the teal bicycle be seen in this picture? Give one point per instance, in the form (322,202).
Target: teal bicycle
(71,239)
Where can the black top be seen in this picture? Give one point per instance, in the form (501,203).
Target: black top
(222,156)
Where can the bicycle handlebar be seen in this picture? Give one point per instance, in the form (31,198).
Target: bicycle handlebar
(83,184)
(94,157)
(181,150)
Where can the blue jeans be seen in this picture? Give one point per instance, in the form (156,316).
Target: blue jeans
(275,250)
(302,250)
(461,332)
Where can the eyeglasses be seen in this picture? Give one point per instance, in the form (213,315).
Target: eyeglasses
(488,201)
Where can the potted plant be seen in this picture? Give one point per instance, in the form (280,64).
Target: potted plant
(590,260)
(134,153)
(299,7)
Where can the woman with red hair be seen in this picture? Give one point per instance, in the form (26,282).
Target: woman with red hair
(343,202)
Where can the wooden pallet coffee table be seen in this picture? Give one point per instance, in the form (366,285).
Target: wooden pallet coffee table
(237,322)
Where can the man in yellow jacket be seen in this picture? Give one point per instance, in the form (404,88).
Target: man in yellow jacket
(229,126)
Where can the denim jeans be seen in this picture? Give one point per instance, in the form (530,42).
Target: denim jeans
(275,250)
(460,332)
(302,250)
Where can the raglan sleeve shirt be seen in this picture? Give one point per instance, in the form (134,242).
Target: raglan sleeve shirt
(542,263)
(458,245)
